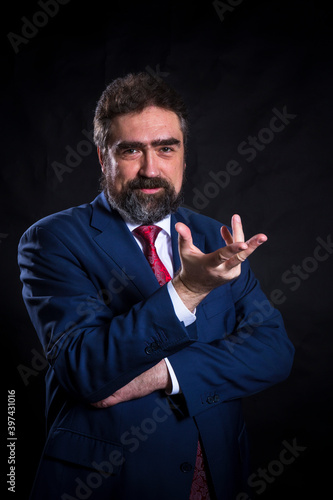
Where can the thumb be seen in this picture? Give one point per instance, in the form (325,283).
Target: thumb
(185,242)
(185,236)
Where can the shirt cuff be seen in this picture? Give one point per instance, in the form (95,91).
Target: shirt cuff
(182,313)
(175,389)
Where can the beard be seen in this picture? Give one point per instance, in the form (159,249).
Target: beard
(142,208)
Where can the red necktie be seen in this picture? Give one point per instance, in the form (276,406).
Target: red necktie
(148,235)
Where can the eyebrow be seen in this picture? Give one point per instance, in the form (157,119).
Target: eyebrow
(170,141)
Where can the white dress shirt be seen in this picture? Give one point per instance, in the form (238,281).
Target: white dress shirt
(164,251)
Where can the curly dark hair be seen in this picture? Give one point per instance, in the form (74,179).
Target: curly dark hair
(133,93)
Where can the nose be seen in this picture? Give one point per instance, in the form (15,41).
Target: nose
(149,164)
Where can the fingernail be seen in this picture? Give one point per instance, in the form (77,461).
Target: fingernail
(261,240)
(237,218)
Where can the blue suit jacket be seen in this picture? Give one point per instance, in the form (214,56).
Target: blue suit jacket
(103,319)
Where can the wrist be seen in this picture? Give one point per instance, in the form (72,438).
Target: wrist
(190,288)
(190,297)
(164,378)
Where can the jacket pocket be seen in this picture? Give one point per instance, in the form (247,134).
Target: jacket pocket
(87,451)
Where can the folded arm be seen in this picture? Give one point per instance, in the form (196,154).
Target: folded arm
(94,349)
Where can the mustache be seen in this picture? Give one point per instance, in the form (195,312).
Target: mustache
(148,183)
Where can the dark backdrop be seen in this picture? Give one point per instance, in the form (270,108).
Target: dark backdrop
(238,65)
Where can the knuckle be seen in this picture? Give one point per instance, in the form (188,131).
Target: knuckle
(220,256)
(241,258)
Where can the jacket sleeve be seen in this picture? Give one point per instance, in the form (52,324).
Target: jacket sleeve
(255,355)
(92,350)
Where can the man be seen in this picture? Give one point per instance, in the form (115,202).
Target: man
(151,319)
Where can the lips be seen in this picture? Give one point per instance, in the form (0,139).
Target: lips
(150,190)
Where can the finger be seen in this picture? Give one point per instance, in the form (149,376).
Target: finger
(226,235)
(237,228)
(185,241)
(225,253)
(184,232)
(106,403)
(252,244)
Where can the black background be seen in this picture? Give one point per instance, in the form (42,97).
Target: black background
(233,69)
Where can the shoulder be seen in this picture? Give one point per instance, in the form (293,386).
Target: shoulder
(62,224)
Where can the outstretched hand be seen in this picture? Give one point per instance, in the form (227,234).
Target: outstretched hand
(200,273)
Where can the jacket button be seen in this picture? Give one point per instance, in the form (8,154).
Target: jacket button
(216,398)
(186,467)
(210,400)
(154,346)
(148,350)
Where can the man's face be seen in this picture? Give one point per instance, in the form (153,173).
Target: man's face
(144,164)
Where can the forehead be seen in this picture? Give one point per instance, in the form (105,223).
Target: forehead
(146,125)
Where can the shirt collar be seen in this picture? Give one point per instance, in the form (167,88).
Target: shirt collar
(165,224)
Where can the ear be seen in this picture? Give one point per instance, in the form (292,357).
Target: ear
(100,157)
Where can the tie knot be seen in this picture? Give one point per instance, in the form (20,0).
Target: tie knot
(147,233)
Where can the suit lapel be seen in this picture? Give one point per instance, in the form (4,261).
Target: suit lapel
(117,242)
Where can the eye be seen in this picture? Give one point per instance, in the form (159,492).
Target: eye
(166,149)
(130,151)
